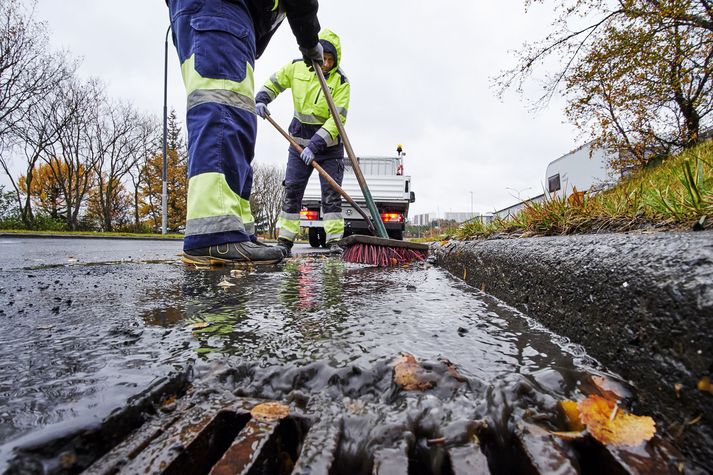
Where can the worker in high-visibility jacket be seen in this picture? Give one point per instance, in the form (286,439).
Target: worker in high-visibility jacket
(217,43)
(316,131)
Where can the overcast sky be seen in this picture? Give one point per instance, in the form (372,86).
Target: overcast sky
(420,74)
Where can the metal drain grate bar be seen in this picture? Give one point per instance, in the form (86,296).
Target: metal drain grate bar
(319,449)
(469,460)
(544,452)
(247,449)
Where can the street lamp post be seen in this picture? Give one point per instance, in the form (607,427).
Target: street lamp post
(164,174)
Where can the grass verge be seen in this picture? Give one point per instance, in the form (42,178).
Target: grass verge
(676,194)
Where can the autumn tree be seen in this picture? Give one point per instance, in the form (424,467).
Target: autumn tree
(636,73)
(267,196)
(151,186)
(119,207)
(47,188)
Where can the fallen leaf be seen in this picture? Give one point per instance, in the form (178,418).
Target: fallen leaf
(610,389)
(199,325)
(614,427)
(270,411)
(570,435)
(435,442)
(695,420)
(705,385)
(170,400)
(410,375)
(572,414)
(453,370)
(225,284)
(237,273)
(678,387)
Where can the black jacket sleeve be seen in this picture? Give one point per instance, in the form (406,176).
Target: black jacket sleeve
(302,16)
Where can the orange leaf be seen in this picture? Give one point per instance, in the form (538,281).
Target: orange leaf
(270,411)
(572,414)
(621,429)
(705,385)
(409,375)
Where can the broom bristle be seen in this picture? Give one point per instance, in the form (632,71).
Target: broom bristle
(382,256)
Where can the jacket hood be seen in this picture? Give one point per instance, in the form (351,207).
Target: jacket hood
(331,44)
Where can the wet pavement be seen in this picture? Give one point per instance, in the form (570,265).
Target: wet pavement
(87,325)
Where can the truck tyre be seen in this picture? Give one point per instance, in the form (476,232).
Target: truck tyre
(313,237)
(322,234)
(396,234)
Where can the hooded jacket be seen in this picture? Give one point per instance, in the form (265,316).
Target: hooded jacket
(312,125)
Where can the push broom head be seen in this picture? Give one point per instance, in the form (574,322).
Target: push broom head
(381,252)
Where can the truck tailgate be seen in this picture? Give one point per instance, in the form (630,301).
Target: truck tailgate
(383,188)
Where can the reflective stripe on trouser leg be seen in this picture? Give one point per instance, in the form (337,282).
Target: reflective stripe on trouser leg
(216,47)
(333,226)
(289,224)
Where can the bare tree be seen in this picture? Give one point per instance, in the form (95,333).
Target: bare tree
(119,135)
(267,196)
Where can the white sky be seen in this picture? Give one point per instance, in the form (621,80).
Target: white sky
(420,74)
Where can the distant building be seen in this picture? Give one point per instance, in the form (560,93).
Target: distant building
(460,217)
(422,219)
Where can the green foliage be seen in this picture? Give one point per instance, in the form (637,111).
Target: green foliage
(673,195)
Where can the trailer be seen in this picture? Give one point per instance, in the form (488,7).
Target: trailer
(585,169)
(389,187)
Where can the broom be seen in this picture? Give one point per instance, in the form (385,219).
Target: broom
(375,250)
(365,249)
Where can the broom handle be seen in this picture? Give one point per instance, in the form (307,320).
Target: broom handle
(380,228)
(323,173)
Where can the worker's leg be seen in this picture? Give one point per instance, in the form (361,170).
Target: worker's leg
(216,46)
(332,200)
(296,178)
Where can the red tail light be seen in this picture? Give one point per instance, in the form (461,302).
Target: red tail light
(392,217)
(309,215)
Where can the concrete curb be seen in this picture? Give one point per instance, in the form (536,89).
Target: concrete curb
(642,304)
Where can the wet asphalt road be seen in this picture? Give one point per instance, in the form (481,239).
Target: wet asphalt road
(88,324)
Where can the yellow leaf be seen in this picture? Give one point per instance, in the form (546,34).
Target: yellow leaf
(270,411)
(705,385)
(572,414)
(614,427)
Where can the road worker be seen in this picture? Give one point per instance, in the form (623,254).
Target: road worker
(315,130)
(217,43)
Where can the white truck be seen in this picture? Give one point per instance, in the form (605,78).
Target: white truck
(389,187)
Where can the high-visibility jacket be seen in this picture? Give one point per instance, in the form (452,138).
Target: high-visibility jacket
(312,125)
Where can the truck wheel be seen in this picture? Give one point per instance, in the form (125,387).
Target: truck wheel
(322,234)
(313,237)
(397,234)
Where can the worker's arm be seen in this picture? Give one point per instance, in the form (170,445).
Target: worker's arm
(328,134)
(277,83)
(302,16)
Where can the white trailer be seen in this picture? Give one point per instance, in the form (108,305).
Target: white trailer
(389,187)
(587,169)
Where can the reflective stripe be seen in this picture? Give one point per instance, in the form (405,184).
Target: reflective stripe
(221,96)
(290,216)
(285,234)
(194,81)
(250,228)
(327,137)
(332,216)
(276,83)
(277,4)
(342,111)
(309,118)
(210,196)
(333,226)
(301,141)
(269,92)
(214,224)
(289,224)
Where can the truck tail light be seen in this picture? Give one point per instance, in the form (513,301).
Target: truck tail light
(392,217)
(309,215)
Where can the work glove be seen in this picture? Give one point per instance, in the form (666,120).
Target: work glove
(315,53)
(307,156)
(261,110)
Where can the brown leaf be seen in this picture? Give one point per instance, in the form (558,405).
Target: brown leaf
(622,429)
(572,414)
(705,385)
(270,411)
(453,370)
(570,435)
(410,375)
(199,325)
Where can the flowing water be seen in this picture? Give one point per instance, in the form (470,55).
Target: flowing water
(78,341)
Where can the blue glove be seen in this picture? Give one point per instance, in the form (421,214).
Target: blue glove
(307,156)
(261,110)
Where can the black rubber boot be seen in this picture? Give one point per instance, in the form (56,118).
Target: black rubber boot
(285,245)
(233,254)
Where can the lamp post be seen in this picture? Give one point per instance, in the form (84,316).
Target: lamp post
(471,204)
(164,174)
